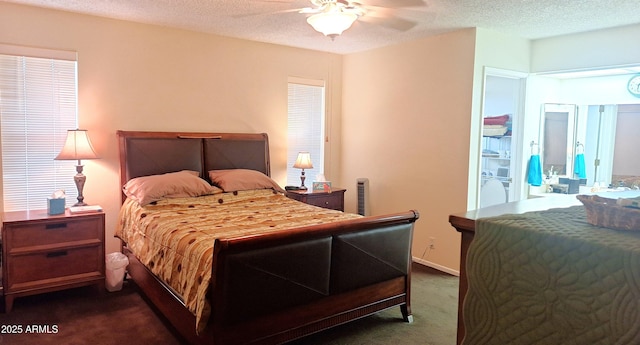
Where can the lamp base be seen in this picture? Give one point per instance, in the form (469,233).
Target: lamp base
(302,178)
(80,179)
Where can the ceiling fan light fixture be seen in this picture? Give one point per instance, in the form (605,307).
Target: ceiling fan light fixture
(332,23)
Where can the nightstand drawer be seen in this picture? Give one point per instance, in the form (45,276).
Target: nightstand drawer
(54,232)
(326,201)
(333,200)
(57,264)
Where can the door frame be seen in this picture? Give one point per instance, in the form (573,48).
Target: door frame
(516,191)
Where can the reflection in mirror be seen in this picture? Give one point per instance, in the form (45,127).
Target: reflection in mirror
(626,166)
(557,139)
(611,141)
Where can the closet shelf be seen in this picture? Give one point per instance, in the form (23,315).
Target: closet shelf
(497,136)
(494,156)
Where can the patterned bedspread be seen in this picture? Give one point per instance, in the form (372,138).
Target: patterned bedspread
(175,237)
(549,277)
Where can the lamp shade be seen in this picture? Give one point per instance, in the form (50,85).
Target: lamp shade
(332,23)
(303,161)
(77,146)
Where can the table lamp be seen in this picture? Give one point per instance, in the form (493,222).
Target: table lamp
(78,147)
(303,162)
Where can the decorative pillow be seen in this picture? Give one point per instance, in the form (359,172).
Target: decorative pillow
(185,183)
(232,180)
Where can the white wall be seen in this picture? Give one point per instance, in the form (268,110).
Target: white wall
(406,119)
(597,90)
(594,49)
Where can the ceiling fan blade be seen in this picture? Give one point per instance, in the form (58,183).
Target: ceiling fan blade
(267,13)
(282,1)
(389,22)
(310,10)
(391,3)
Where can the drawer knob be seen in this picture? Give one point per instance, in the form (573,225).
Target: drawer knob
(56,254)
(55,226)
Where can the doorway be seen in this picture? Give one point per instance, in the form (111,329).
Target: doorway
(502,109)
(611,141)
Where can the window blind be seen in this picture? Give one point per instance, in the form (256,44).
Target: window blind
(38,102)
(306,128)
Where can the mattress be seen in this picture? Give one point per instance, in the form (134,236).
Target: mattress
(174,237)
(549,277)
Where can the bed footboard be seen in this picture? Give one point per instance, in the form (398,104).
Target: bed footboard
(277,288)
(283,286)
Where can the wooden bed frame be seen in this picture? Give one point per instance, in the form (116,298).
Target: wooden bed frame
(343,271)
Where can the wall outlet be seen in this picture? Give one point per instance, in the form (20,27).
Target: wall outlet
(432,243)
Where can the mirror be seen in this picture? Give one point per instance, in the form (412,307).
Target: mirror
(610,137)
(557,139)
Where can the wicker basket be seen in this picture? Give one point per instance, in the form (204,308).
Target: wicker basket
(605,212)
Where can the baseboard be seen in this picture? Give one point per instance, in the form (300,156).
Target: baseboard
(436,266)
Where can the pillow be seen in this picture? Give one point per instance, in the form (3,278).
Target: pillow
(232,180)
(185,183)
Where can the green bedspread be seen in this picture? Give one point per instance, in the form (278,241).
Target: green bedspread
(549,277)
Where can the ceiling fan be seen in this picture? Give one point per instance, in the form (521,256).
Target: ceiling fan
(332,17)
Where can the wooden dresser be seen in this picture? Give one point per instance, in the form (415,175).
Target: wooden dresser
(42,253)
(332,200)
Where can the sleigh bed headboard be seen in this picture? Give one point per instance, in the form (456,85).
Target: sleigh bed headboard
(152,153)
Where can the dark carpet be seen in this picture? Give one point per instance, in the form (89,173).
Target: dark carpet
(84,316)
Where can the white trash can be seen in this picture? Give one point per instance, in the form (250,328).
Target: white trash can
(116,265)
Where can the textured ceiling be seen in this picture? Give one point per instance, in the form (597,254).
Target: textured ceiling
(273,21)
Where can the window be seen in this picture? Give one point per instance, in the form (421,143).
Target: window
(305,128)
(37,106)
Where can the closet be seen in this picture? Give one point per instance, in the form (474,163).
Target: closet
(496,159)
(502,103)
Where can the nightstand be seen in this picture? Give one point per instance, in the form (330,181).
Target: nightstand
(332,200)
(43,253)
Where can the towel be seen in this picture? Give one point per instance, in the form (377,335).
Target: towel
(534,177)
(494,131)
(579,168)
(496,120)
